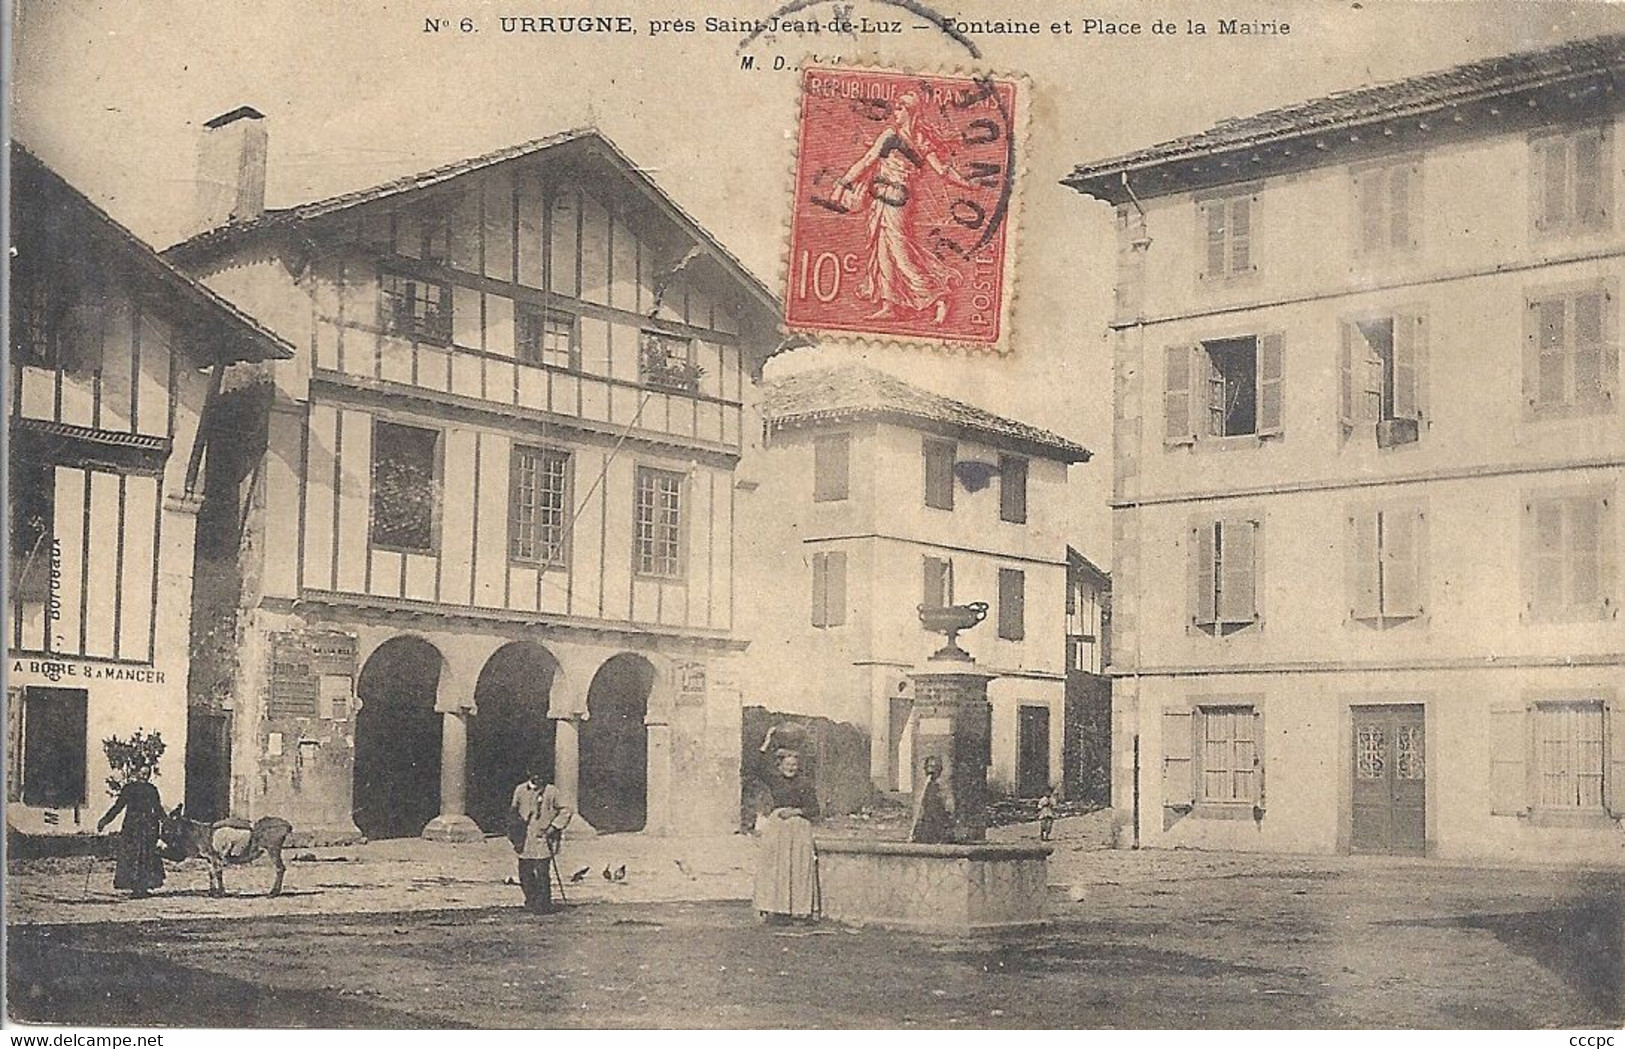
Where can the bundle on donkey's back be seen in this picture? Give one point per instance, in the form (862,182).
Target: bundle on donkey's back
(227,842)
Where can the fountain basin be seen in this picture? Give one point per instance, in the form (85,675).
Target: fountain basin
(933,888)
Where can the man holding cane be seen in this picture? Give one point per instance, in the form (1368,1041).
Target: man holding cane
(536,826)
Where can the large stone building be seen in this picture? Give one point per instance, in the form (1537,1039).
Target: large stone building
(115,359)
(1369,450)
(875,497)
(486,516)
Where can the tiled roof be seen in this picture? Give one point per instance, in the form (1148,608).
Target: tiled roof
(591,138)
(856,392)
(252,341)
(1417,95)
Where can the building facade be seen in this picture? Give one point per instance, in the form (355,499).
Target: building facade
(114,359)
(1086,749)
(1369,453)
(488,520)
(876,497)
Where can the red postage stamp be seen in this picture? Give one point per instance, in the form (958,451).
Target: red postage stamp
(904,192)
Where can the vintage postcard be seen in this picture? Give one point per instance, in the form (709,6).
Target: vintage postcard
(863,514)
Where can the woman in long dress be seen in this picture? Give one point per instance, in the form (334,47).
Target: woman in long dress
(140,865)
(786,874)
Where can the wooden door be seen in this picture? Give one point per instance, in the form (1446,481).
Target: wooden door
(1390,780)
(1032,764)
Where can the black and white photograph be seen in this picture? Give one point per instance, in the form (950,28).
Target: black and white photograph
(834,514)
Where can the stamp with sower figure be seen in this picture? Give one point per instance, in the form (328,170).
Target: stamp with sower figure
(904,192)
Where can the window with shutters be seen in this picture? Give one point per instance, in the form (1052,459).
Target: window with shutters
(538,506)
(1381,377)
(1013,489)
(1387,565)
(546,337)
(405,487)
(1569,544)
(1571,187)
(938,588)
(1228,755)
(939,474)
(832,467)
(1557,757)
(1227,233)
(1012,604)
(1213,757)
(415,309)
(1569,754)
(1225,576)
(829,589)
(1224,388)
(1571,351)
(658,539)
(1387,208)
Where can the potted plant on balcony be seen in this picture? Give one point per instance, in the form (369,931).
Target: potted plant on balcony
(666,364)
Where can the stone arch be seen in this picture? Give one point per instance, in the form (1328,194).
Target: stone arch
(396,786)
(614,777)
(511,729)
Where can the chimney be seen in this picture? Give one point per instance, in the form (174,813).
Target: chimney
(231,168)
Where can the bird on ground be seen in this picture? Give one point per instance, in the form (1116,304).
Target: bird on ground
(608,876)
(620,873)
(683,867)
(580,874)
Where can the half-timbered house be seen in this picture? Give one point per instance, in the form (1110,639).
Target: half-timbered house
(485,518)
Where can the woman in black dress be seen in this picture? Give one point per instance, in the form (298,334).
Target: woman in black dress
(786,872)
(140,866)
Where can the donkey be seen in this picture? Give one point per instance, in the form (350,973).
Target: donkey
(226,842)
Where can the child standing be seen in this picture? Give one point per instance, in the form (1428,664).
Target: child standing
(1046,814)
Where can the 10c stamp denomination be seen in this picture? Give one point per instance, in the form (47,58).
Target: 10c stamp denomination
(904,195)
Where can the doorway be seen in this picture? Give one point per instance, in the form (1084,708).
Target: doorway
(1390,780)
(511,730)
(1032,752)
(208,764)
(397,740)
(614,783)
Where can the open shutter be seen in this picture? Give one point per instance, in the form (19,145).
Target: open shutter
(1401,595)
(1271,388)
(820,589)
(1346,412)
(1531,357)
(1258,757)
(1607,568)
(1593,181)
(1410,344)
(1210,228)
(1527,557)
(1548,183)
(1368,209)
(1399,207)
(1237,586)
(1241,235)
(1613,778)
(835,588)
(1509,754)
(1204,613)
(1363,566)
(1176,396)
(1178,774)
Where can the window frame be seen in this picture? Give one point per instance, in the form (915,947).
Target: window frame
(830,493)
(828,608)
(437,475)
(679,555)
(560,557)
(524,313)
(32,799)
(945,577)
(1236,711)
(1571,224)
(1012,611)
(684,378)
(1228,197)
(1573,405)
(940,446)
(1362,176)
(1220,626)
(1366,577)
(1603,570)
(1008,513)
(396,287)
(1555,703)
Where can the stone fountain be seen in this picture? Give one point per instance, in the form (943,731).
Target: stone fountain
(947,877)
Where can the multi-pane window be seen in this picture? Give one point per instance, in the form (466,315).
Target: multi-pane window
(939,474)
(1571,181)
(1569,754)
(546,337)
(1387,201)
(667,361)
(659,535)
(416,309)
(1381,376)
(1012,604)
(1224,574)
(938,588)
(1568,556)
(1571,353)
(538,506)
(405,486)
(1223,388)
(1012,489)
(832,453)
(1228,755)
(1227,228)
(1387,558)
(829,588)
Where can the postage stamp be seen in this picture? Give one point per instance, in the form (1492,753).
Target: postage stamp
(904,196)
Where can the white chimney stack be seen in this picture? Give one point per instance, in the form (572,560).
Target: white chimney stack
(231,168)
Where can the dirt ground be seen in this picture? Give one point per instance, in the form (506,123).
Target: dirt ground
(1140,939)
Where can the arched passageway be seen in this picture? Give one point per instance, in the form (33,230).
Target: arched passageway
(511,729)
(397,740)
(614,784)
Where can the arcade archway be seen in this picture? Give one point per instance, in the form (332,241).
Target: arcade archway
(511,730)
(614,784)
(397,740)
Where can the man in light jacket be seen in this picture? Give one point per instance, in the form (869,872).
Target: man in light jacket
(538,819)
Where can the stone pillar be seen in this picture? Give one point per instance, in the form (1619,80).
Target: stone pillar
(567,760)
(953,722)
(658,813)
(453,823)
